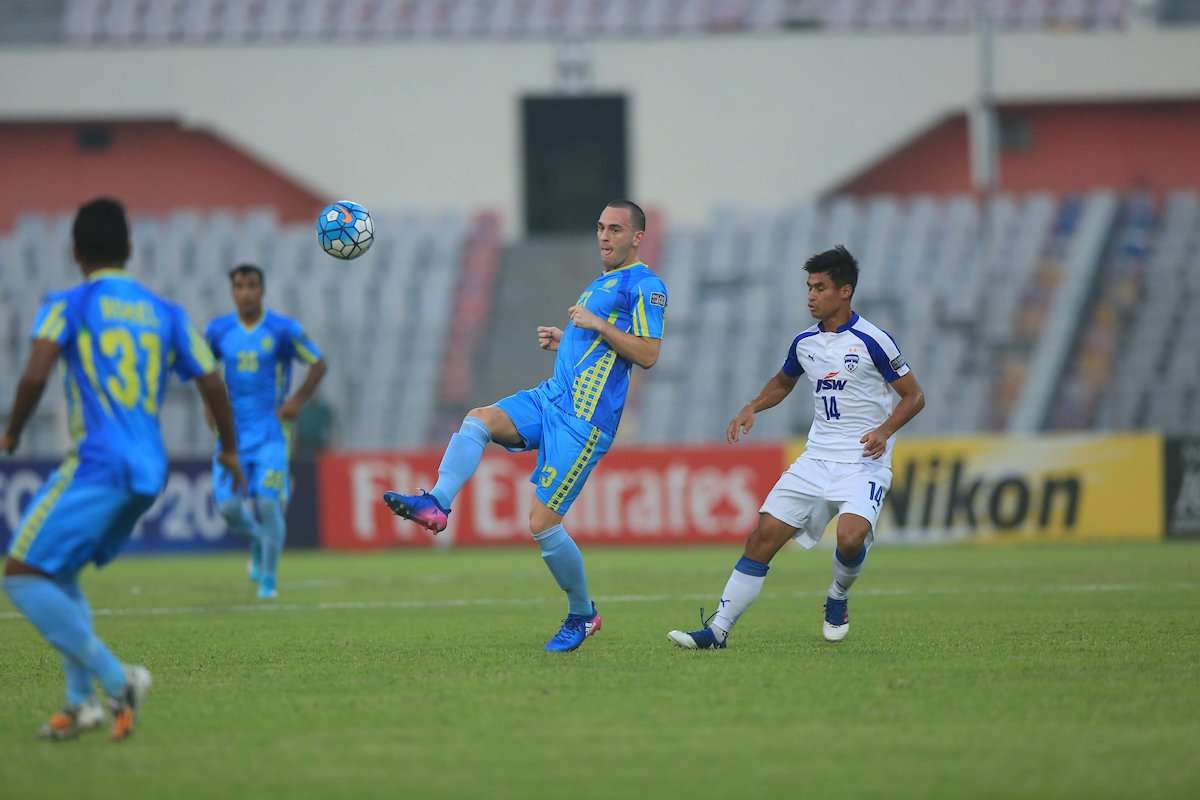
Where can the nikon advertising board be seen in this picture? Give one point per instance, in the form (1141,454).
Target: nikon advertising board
(1079,487)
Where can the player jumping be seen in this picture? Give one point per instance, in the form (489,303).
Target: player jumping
(118,341)
(256,347)
(846,467)
(571,418)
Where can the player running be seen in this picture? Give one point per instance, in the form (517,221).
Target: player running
(118,341)
(571,418)
(256,348)
(846,467)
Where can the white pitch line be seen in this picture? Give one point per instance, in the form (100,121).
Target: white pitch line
(416,605)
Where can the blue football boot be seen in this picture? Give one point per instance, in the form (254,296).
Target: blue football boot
(423,509)
(575,628)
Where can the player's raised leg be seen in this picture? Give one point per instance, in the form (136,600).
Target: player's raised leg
(431,509)
(848,560)
(743,587)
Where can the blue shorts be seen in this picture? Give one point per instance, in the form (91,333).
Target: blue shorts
(266,471)
(70,523)
(568,448)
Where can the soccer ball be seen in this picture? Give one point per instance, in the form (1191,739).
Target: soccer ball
(345,230)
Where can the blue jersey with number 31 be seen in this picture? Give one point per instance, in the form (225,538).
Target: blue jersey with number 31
(119,341)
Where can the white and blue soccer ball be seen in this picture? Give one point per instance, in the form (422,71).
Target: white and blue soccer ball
(345,230)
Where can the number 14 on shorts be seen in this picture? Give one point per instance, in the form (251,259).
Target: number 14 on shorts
(875,492)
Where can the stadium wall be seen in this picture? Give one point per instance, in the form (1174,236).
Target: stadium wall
(1147,146)
(984,488)
(747,120)
(993,488)
(182,520)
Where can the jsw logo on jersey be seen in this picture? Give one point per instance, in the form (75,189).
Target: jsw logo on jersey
(829,383)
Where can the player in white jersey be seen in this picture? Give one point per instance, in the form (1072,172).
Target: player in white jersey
(845,470)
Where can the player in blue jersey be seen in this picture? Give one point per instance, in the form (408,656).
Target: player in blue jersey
(256,347)
(118,342)
(571,418)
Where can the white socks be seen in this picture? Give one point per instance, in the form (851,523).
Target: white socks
(845,574)
(742,589)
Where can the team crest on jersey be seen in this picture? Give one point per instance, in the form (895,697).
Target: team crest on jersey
(610,283)
(267,343)
(851,362)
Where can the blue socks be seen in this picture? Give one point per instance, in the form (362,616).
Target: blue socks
(242,522)
(461,458)
(272,531)
(79,680)
(562,556)
(239,520)
(60,614)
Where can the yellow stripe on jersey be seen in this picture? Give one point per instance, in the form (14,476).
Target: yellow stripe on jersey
(572,476)
(87,357)
(642,314)
(589,385)
(75,422)
(612,318)
(305,354)
(37,518)
(200,351)
(53,325)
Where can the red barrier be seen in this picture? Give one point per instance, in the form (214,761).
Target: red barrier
(693,495)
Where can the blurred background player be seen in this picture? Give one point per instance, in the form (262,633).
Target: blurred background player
(846,467)
(572,417)
(256,347)
(118,341)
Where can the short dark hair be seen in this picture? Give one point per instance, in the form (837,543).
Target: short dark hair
(837,263)
(248,269)
(101,232)
(635,211)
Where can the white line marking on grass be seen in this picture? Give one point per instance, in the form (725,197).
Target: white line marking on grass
(268,607)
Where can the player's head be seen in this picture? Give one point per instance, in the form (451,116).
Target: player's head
(248,285)
(101,235)
(832,276)
(619,231)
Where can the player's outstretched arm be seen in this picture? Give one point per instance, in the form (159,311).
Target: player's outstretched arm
(291,407)
(641,350)
(912,400)
(772,394)
(29,391)
(216,402)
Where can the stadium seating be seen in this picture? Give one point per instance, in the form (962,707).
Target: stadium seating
(133,21)
(367,316)
(1154,380)
(971,317)
(738,299)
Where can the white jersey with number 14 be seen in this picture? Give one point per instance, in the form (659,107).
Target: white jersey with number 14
(849,371)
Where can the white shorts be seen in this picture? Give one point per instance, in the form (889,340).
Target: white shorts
(812,492)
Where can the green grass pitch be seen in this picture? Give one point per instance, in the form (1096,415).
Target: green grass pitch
(970,671)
